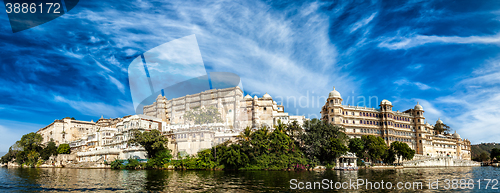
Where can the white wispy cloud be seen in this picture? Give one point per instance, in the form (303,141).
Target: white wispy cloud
(97,108)
(252,40)
(362,22)
(419,85)
(407,42)
(477,104)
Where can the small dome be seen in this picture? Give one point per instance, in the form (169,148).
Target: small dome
(418,107)
(439,121)
(456,135)
(334,94)
(255,97)
(386,102)
(274,102)
(248,97)
(267,96)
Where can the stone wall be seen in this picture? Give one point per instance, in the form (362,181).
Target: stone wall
(440,162)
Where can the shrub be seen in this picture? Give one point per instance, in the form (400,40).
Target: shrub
(64,149)
(117,164)
(132,164)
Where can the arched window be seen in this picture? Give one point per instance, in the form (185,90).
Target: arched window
(265,108)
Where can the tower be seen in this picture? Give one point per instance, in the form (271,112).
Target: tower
(419,119)
(333,110)
(386,115)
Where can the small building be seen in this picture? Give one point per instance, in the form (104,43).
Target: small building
(346,162)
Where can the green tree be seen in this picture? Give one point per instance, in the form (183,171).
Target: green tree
(337,147)
(32,158)
(153,141)
(356,145)
(245,135)
(31,141)
(64,149)
(117,164)
(206,160)
(495,152)
(160,160)
(402,150)
(203,115)
(233,158)
(390,156)
(49,150)
(483,157)
(12,154)
(375,147)
(294,130)
(132,164)
(318,141)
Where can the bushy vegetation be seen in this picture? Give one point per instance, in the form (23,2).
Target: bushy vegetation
(374,148)
(29,151)
(153,141)
(64,149)
(481,152)
(284,147)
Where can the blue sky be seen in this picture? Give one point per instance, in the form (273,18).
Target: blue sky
(441,54)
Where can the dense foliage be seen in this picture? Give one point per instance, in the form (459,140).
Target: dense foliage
(153,141)
(64,149)
(402,150)
(375,147)
(478,150)
(495,154)
(29,151)
(323,142)
(255,150)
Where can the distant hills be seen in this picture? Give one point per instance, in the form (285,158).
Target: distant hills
(483,147)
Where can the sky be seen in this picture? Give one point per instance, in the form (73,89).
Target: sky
(443,55)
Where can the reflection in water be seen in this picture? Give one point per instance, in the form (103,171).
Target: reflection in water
(105,180)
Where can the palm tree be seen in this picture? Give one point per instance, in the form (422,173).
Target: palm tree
(279,127)
(245,134)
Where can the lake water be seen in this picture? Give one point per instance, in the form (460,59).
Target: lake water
(106,180)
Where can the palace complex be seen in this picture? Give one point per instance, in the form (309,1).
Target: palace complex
(408,126)
(107,139)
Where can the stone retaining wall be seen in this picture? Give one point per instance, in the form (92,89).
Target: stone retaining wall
(440,162)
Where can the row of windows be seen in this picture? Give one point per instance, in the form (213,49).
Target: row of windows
(399,139)
(183,136)
(377,123)
(336,101)
(376,115)
(445,146)
(376,131)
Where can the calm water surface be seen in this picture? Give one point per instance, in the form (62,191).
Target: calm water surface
(105,180)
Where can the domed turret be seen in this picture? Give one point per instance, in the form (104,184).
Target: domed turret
(267,96)
(456,135)
(386,102)
(418,107)
(439,121)
(255,97)
(334,94)
(248,97)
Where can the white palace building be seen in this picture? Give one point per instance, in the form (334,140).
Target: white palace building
(408,126)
